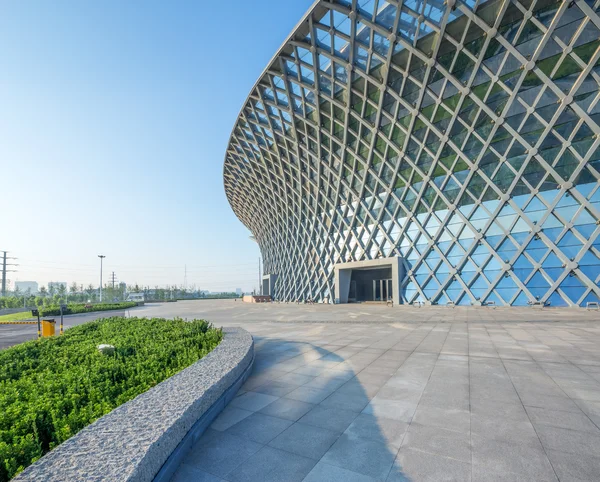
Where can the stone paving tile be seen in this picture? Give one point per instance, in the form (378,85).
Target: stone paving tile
(517,432)
(272,465)
(334,419)
(186,472)
(412,465)
(330,473)
(305,440)
(530,462)
(345,401)
(252,401)
(395,410)
(287,408)
(309,395)
(228,417)
(259,428)
(581,468)
(562,419)
(571,441)
(378,429)
(218,453)
(435,440)
(446,418)
(361,455)
(275,388)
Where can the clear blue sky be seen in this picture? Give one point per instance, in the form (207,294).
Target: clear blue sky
(115,118)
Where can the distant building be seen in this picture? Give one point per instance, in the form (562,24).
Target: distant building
(24,286)
(238,291)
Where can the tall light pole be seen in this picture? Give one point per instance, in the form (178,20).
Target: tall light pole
(101,256)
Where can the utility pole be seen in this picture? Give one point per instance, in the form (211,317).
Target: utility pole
(113,279)
(5,270)
(185,278)
(101,256)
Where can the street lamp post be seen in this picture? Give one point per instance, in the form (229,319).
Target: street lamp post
(101,256)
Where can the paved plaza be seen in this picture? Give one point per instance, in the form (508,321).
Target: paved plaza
(433,394)
(370,393)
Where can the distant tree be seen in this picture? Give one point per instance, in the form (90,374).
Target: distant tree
(51,288)
(43,292)
(73,289)
(90,291)
(62,292)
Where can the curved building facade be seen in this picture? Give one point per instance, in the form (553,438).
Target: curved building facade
(427,151)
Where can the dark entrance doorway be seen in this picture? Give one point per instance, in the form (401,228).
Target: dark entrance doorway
(370,284)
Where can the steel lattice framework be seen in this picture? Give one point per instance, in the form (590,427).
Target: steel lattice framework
(462,136)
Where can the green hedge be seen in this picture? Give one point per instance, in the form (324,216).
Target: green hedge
(52,388)
(74,308)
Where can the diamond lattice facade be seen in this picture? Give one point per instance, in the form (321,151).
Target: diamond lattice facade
(461,137)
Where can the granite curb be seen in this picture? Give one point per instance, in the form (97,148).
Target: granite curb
(133,442)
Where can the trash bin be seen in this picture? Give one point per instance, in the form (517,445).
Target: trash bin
(48,328)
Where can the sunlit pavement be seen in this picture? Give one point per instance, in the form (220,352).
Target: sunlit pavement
(431,393)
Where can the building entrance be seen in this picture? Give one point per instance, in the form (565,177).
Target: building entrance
(369,280)
(370,284)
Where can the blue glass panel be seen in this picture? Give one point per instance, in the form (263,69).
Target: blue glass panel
(553,233)
(453,295)
(520,237)
(554,273)
(506,294)
(586,229)
(552,261)
(479,283)
(591,297)
(537,285)
(573,288)
(591,272)
(492,297)
(556,300)
(492,275)
(494,240)
(590,259)
(521,300)
(493,265)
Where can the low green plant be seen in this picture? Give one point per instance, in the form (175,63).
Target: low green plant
(52,388)
(74,308)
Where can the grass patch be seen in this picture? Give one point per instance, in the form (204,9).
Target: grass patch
(24,315)
(52,388)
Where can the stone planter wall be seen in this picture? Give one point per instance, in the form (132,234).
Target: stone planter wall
(146,438)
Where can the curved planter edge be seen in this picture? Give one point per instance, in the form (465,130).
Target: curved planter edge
(146,438)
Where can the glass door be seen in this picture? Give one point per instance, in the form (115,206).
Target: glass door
(382,289)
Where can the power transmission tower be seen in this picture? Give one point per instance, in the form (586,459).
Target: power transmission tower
(113,279)
(5,270)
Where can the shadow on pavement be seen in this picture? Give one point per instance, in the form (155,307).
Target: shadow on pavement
(304,414)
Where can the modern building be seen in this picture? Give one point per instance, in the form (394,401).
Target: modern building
(27,286)
(433,151)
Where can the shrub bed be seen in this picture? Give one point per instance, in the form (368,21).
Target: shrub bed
(74,308)
(52,388)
